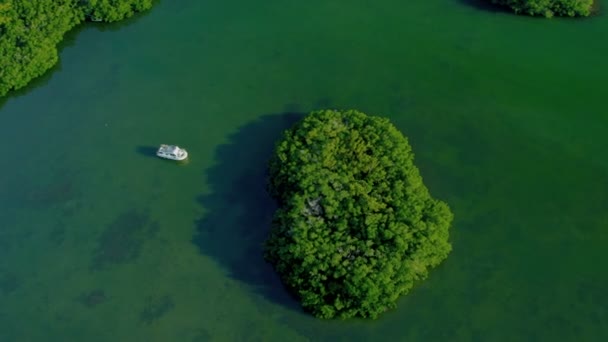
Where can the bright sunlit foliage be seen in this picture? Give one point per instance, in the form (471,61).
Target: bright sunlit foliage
(549,8)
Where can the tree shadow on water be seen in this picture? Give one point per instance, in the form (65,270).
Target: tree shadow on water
(485,5)
(238,211)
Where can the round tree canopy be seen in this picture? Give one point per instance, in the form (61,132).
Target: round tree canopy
(355,225)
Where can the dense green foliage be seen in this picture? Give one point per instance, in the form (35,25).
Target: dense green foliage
(31,29)
(549,8)
(356,227)
(113,10)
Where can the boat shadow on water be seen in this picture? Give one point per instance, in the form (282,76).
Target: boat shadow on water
(238,209)
(148,151)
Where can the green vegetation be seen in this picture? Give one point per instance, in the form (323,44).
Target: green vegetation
(113,10)
(356,227)
(549,8)
(31,30)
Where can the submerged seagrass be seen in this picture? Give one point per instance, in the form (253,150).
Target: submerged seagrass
(356,227)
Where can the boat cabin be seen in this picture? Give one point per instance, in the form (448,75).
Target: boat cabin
(172,152)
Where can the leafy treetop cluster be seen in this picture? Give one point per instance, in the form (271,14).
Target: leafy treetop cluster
(356,227)
(549,8)
(31,29)
(113,10)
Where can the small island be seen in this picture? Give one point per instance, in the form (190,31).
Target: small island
(356,226)
(31,30)
(549,8)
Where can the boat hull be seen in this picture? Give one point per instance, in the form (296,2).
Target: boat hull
(180,158)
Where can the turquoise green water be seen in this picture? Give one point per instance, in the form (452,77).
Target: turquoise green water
(100,241)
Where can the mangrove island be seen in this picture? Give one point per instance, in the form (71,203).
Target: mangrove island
(356,226)
(31,30)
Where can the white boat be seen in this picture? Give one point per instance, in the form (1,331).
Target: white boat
(172,152)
